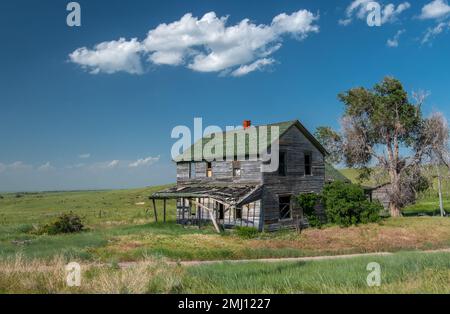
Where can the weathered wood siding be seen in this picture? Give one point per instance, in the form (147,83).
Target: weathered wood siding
(250,217)
(222,171)
(382,194)
(295,144)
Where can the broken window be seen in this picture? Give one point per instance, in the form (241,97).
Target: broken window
(307,162)
(221,211)
(236,168)
(285,207)
(208,169)
(238,212)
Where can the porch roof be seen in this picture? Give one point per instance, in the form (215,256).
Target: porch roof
(231,194)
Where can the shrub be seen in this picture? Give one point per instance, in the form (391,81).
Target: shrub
(307,202)
(66,223)
(346,204)
(247,232)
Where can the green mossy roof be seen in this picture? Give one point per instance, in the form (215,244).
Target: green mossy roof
(199,146)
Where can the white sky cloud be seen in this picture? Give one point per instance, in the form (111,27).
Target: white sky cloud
(144,162)
(45,167)
(358,9)
(84,156)
(257,65)
(394,42)
(203,44)
(19,165)
(432,32)
(435,10)
(112,164)
(110,57)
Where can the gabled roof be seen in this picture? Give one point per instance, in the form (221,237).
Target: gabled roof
(283,128)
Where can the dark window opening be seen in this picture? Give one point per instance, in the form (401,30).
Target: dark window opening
(236,169)
(238,213)
(282,164)
(308,167)
(221,211)
(285,207)
(208,169)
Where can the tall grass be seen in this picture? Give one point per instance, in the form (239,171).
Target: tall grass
(400,273)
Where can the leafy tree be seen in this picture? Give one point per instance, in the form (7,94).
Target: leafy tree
(331,140)
(383,129)
(436,137)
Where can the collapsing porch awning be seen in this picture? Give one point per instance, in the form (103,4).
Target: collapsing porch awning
(231,195)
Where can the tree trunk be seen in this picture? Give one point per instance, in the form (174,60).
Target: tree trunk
(441,203)
(394,207)
(394,210)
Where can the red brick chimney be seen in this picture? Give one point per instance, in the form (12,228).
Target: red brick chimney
(246,124)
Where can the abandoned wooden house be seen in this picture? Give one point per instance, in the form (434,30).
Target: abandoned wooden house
(235,192)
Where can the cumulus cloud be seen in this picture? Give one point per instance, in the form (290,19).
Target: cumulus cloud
(144,162)
(205,44)
(390,13)
(19,165)
(432,32)
(257,65)
(110,57)
(435,10)
(45,167)
(394,42)
(358,9)
(84,156)
(112,164)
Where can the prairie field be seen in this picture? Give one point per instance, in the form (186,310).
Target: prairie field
(120,228)
(400,273)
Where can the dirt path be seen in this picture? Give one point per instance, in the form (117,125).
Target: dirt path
(285,259)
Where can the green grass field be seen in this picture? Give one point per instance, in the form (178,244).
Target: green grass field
(120,227)
(400,273)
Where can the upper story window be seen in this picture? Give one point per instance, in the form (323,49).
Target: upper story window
(236,168)
(308,164)
(209,169)
(192,170)
(282,164)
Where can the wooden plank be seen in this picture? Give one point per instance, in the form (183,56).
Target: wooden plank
(154,210)
(211,215)
(164,210)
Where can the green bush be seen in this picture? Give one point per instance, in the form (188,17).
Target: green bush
(307,202)
(247,232)
(66,223)
(346,204)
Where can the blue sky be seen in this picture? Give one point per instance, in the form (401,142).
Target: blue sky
(78,119)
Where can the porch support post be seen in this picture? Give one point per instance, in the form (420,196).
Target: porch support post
(164,210)
(154,210)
